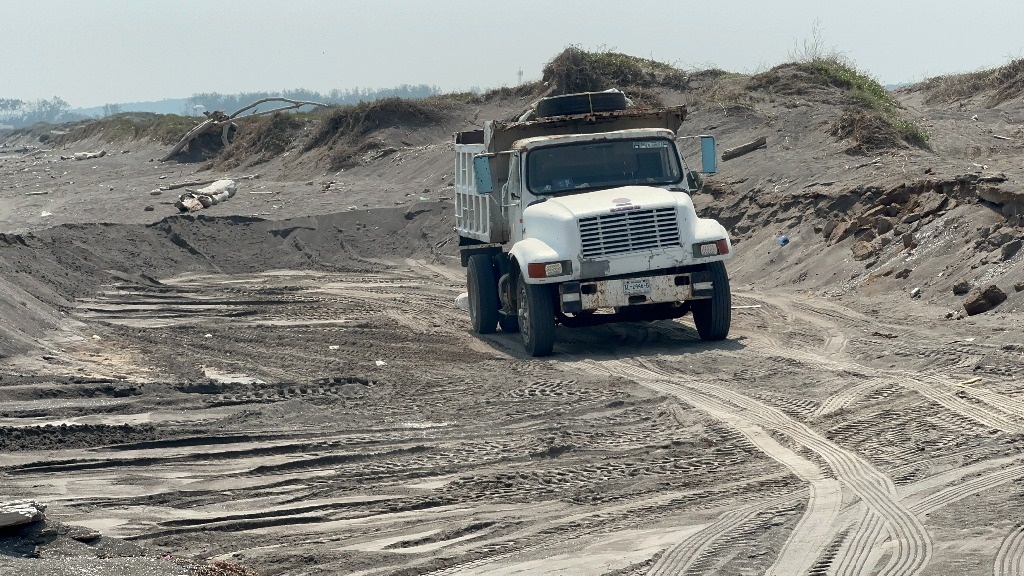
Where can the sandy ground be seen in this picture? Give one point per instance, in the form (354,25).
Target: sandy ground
(284,385)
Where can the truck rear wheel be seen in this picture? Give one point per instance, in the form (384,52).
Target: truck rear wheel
(483,294)
(536,317)
(713,316)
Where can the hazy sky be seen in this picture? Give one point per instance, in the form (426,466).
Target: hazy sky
(96,52)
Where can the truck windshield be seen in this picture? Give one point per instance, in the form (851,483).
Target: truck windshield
(602,164)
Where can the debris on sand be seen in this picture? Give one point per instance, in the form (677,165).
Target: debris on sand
(195,200)
(85,155)
(20,512)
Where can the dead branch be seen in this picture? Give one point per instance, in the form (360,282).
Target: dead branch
(294,104)
(218,120)
(744,149)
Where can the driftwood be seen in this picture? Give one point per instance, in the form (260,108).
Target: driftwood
(744,149)
(177,185)
(194,200)
(219,121)
(85,155)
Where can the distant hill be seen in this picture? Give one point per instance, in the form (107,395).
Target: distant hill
(167,106)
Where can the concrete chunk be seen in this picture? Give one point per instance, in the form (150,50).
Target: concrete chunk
(20,512)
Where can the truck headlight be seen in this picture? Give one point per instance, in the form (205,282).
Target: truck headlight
(716,248)
(549,269)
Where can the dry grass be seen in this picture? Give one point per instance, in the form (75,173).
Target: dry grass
(163,128)
(576,70)
(345,131)
(723,90)
(869,132)
(999,84)
(262,138)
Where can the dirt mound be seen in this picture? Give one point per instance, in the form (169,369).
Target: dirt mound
(163,128)
(576,70)
(261,139)
(872,117)
(345,131)
(993,87)
(796,79)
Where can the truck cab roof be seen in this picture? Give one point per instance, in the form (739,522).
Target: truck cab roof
(538,141)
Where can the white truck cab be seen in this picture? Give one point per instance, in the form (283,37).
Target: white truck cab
(586,218)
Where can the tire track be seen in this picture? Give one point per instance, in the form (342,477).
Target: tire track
(848,396)
(942,392)
(961,490)
(988,409)
(911,542)
(1009,560)
(855,555)
(679,558)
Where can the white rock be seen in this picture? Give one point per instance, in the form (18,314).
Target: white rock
(380,363)
(20,512)
(462,301)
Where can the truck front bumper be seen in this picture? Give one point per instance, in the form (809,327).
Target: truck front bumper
(586,295)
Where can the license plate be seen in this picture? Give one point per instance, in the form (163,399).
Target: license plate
(636,286)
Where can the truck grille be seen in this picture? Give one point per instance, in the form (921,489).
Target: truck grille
(626,232)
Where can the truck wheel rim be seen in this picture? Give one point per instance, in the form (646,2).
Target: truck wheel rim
(523,308)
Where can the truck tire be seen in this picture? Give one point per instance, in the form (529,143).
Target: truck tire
(713,316)
(581,103)
(483,294)
(536,317)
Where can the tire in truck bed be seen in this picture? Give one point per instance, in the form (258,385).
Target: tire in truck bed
(580,103)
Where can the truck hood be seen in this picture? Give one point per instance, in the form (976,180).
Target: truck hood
(624,198)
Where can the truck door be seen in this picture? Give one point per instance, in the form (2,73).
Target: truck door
(512,198)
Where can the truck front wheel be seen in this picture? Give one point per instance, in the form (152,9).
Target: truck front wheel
(713,316)
(536,317)
(483,294)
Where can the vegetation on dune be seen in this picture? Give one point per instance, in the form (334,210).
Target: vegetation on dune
(343,130)
(871,97)
(577,70)
(260,139)
(873,120)
(163,128)
(1001,84)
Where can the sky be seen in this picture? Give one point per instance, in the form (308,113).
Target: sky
(95,52)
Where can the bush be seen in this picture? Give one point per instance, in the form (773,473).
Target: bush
(576,70)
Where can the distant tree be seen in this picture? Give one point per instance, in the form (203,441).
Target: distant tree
(10,104)
(229,103)
(111,109)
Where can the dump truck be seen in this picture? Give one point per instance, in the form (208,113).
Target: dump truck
(579,212)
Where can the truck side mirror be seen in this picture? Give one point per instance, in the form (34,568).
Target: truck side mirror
(708,155)
(482,173)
